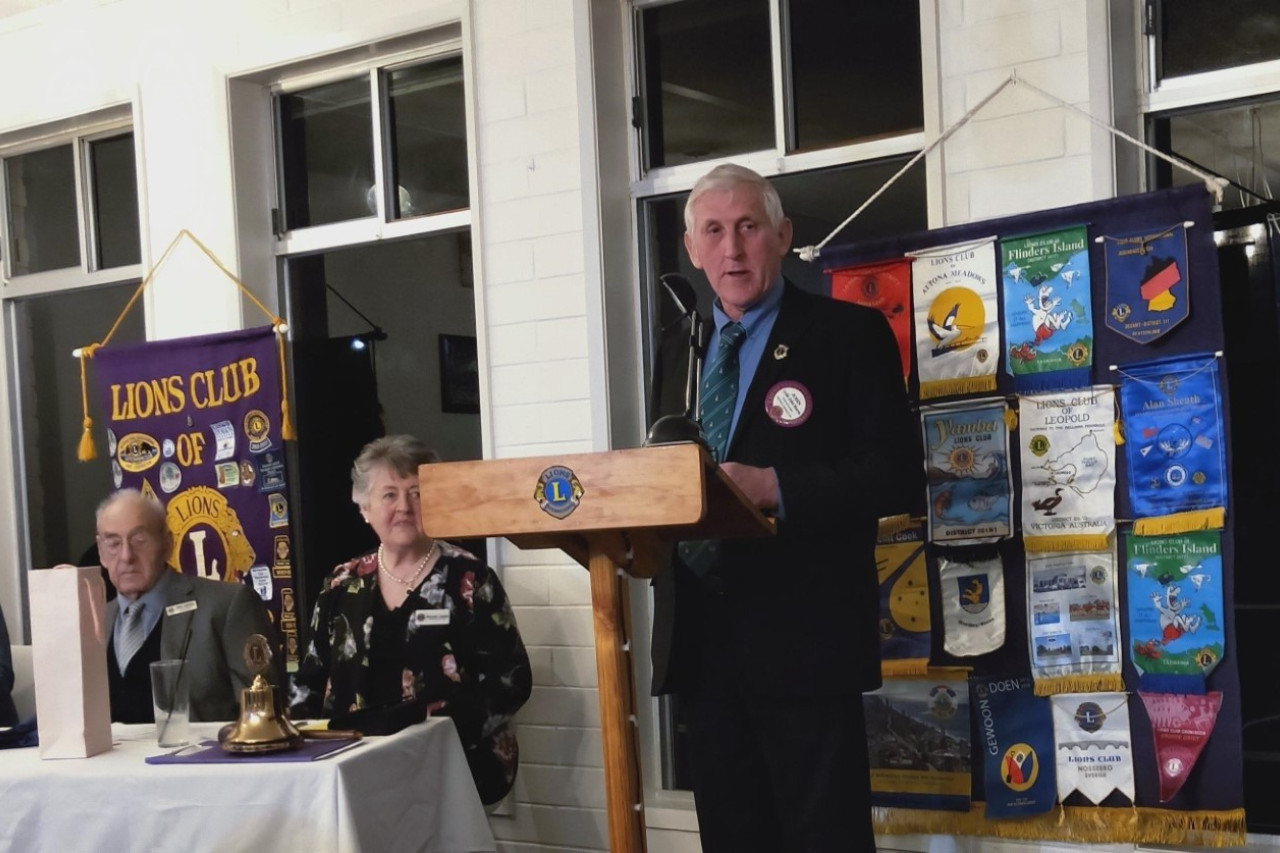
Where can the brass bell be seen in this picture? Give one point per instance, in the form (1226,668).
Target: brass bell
(264,724)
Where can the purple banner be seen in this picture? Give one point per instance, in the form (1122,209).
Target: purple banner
(195,422)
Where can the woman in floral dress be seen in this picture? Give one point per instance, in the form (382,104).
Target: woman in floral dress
(417,621)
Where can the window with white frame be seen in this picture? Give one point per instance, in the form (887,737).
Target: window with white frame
(376,282)
(71,248)
(1213,96)
(823,97)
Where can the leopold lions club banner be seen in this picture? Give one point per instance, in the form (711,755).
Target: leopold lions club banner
(196,423)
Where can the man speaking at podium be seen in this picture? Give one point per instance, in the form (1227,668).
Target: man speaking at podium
(770,642)
(161,614)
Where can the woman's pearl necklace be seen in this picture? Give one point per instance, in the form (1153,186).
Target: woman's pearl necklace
(422,566)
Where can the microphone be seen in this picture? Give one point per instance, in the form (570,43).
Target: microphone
(670,429)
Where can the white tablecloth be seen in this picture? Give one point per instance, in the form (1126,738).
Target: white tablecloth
(409,791)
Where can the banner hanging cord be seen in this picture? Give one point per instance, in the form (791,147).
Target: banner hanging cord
(87,450)
(1213,183)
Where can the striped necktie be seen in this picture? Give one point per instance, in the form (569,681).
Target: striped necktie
(132,635)
(719,399)
(720,390)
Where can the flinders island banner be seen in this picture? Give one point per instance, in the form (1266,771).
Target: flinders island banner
(195,422)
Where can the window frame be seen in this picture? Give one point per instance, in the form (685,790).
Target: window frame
(80,133)
(377,226)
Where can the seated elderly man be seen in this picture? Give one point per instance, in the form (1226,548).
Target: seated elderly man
(157,607)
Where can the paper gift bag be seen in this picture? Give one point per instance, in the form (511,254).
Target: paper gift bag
(69,661)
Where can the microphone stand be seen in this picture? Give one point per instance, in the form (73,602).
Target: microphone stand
(671,429)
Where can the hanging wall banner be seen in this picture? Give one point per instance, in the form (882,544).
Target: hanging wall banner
(1068,451)
(904,603)
(1174,444)
(1148,291)
(918,742)
(1095,749)
(1176,607)
(967,458)
(957,331)
(1015,731)
(1073,625)
(885,287)
(1180,726)
(972,605)
(1048,318)
(195,422)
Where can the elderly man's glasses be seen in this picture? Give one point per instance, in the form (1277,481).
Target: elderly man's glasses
(139,540)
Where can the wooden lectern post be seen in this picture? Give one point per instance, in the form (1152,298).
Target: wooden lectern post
(612,512)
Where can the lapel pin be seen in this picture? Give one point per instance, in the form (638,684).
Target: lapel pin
(780,352)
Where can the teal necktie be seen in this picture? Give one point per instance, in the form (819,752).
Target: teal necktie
(720,390)
(719,399)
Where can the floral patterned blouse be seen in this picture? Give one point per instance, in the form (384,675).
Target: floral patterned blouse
(460,648)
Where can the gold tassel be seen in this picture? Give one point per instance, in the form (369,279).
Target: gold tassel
(1117,430)
(1181,522)
(287,432)
(87,450)
(962,385)
(1074,542)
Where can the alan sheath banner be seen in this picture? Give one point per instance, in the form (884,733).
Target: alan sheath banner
(1048,318)
(195,423)
(957,330)
(1175,444)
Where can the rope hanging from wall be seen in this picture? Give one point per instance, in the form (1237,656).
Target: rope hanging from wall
(87,449)
(1213,183)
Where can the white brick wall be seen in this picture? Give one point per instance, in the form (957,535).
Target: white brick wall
(1021,152)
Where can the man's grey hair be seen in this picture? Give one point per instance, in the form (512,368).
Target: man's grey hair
(151,507)
(730,176)
(399,453)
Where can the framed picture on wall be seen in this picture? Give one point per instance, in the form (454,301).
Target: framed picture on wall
(459,375)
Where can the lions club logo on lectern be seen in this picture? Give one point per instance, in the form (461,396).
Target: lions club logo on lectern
(558,492)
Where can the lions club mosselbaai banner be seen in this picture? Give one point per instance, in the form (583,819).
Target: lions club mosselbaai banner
(195,422)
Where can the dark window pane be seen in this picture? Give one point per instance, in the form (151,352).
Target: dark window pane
(61,491)
(115,202)
(708,88)
(326,153)
(1197,35)
(428,132)
(855,70)
(1231,140)
(44,232)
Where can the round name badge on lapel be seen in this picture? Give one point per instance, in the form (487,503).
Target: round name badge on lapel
(788,404)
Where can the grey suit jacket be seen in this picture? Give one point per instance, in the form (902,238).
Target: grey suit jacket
(225,615)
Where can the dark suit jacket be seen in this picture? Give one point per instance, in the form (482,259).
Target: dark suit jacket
(801,609)
(225,615)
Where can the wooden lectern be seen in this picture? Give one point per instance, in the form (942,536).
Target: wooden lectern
(611,511)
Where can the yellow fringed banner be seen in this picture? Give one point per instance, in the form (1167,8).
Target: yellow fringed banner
(960,385)
(87,450)
(1214,518)
(1053,544)
(1094,682)
(891,525)
(1143,825)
